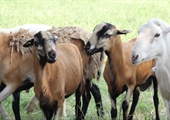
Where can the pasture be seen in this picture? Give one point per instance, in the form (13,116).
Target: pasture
(127,14)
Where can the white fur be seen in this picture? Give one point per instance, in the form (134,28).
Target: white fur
(149,47)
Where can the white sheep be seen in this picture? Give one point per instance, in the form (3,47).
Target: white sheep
(153,42)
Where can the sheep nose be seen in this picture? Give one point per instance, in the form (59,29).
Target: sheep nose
(135,57)
(52,54)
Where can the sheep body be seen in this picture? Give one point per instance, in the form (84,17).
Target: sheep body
(119,73)
(11,38)
(153,43)
(55,80)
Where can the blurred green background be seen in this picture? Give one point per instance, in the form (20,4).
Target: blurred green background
(124,14)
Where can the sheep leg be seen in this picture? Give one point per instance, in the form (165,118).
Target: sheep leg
(58,114)
(86,98)
(64,109)
(167,104)
(8,90)
(48,108)
(32,104)
(15,105)
(97,97)
(136,94)
(125,103)
(155,97)
(2,110)
(26,84)
(78,113)
(4,113)
(113,108)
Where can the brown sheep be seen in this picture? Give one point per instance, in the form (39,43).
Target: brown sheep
(12,38)
(92,65)
(119,73)
(59,73)
(13,64)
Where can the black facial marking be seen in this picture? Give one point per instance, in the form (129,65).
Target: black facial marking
(93,51)
(43,60)
(40,37)
(103,30)
(87,46)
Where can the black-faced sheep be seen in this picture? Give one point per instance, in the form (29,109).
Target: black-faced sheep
(59,73)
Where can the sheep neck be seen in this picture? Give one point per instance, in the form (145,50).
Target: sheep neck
(115,66)
(115,53)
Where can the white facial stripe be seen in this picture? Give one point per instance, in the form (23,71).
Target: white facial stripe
(40,47)
(99,27)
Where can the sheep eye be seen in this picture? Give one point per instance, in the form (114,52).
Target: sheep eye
(157,35)
(106,35)
(36,43)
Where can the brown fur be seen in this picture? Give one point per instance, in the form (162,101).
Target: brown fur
(13,71)
(61,78)
(119,71)
(79,37)
(16,67)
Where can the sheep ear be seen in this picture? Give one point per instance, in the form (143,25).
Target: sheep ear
(28,43)
(123,32)
(166,30)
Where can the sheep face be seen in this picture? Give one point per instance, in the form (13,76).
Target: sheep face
(45,45)
(99,40)
(149,44)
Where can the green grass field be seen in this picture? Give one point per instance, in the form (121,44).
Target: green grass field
(125,14)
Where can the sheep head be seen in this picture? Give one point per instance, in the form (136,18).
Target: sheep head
(45,45)
(152,41)
(101,36)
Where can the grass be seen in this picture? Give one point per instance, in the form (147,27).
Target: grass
(127,14)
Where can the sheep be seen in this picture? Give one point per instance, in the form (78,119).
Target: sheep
(10,74)
(32,28)
(153,43)
(59,73)
(16,33)
(92,64)
(120,75)
(18,36)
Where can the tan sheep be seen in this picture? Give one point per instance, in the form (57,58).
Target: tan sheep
(92,65)
(119,73)
(59,73)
